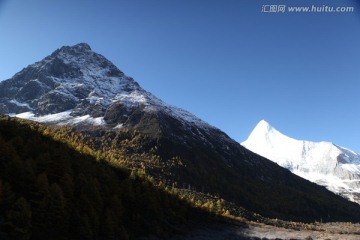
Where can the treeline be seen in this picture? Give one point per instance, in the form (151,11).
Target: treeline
(268,190)
(48,190)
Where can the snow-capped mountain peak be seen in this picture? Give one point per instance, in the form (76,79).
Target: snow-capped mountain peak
(289,152)
(74,85)
(325,163)
(266,133)
(263,127)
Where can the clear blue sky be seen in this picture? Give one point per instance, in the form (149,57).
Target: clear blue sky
(224,61)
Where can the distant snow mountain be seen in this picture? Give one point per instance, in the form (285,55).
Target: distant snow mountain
(329,165)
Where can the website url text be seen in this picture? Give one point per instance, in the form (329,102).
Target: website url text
(308,9)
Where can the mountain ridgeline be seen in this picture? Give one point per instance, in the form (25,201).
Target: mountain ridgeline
(109,113)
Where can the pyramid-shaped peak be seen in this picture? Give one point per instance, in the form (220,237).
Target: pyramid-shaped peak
(264,123)
(82,46)
(79,47)
(264,132)
(263,126)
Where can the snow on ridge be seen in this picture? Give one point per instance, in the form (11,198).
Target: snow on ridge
(62,118)
(86,119)
(129,99)
(57,117)
(152,103)
(25,115)
(20,104)
(106,92)
(176,112)
(119,126)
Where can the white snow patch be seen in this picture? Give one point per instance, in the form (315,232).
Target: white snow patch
(98,121)
(57,117)
(119,126)
(26,115)
(20,104)
(86,119)
(62,118)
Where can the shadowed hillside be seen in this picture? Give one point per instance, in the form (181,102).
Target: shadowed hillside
(48,190)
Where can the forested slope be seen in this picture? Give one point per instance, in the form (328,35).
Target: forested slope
(48,190)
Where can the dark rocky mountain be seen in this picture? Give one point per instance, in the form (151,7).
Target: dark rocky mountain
(77,87)
(71,78)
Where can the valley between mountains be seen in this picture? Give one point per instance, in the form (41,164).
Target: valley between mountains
(86,153)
